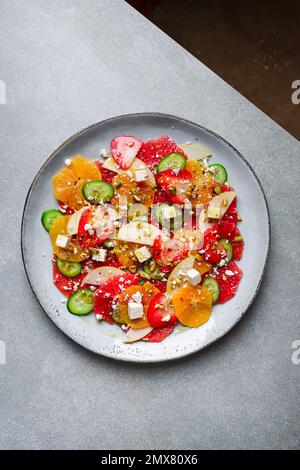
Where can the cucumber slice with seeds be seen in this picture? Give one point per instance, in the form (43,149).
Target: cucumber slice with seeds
(228,247)
(49,217)
(218,172)
(151,269)
(81,302)
(68,268)
(212,285)
(173,161)
(97,192)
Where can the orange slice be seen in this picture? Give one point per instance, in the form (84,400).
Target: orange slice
(68,183)
(134,193)
(124,251)
(120,314)
(74,251)
(202,192)
(192,305)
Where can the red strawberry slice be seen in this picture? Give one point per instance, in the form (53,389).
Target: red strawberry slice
(124,149)
(175,185)
(228,279)
(161,197)
(159,334)
(170,251)
(154,150)
(106,293)
(160,310)
(87,235)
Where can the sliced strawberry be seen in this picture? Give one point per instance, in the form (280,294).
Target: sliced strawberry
(160,313)
(161,197)
(169,252)
(228,279)
(159,334)
(154,150)
(124,149)
(175,185)
(107,292)
(89,236)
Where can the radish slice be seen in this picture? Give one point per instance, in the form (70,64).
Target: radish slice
(135,335)
(73,222)
(99,275)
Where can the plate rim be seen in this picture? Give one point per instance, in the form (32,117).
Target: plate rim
(180,119)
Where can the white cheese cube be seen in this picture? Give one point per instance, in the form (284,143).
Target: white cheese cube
(214,212)
(168,212)
(99,255)
(135,310)
(62,241)
(193,276)
(142,254)
(140,175)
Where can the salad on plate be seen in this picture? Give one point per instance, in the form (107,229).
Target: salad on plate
(146,236)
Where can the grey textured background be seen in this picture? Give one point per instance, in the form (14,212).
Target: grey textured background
(69,63)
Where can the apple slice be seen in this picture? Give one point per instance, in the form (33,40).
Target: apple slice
(99,275)
(195,151)
(178,274)
(124,149)
(136,165)
(221,202)
(135,335)
(139,232)
(73,222)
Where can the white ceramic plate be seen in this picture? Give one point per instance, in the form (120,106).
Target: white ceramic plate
(106,339)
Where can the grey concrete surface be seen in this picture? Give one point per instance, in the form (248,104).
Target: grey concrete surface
(69,63)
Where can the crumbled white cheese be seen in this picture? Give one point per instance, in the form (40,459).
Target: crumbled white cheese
(222,262)
(99,317)
(168,212)
(213,212)
(99,255)
(142,254)
(104,153)
(140,175)
(135,310)
(68,162)
(137,297)
(193,276)
(62,241)
(228,272)
(87,227)
(166,318)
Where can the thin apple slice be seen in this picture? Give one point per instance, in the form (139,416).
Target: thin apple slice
(99,275)
(222,202)
(139,232)
(135,335)
(73,222)
(177,276)
(195,151)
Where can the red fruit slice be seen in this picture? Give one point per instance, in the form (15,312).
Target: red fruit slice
(87,235)
(159,334)
(64,208)
(158,310)
(228,278)
(124,149)
(229,230)
(66,285)
(107,175)
(175,185)
(160,285)
(170,251)
(106,293)
(213,250)
(231,213)
(154,150)
(161,197)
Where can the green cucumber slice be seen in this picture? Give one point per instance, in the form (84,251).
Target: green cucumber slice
(97,192)
(49,217)
(212,285)
(218,172)
(81,302)
(228,247)
(173,161)
(68,268)
(150,268)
